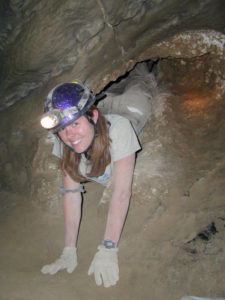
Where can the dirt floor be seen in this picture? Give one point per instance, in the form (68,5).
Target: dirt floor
(173,249)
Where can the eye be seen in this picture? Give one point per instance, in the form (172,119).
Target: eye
(62,128)
(74,124)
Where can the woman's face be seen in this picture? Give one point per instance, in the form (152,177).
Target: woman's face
(79,135)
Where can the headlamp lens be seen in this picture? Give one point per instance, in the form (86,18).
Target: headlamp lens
(49,120)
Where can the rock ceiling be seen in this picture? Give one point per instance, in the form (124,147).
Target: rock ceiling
(95,41)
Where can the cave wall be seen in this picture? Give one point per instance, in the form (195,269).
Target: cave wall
(93,41)
(178,190)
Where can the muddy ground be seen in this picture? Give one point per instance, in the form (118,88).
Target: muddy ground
(171,246)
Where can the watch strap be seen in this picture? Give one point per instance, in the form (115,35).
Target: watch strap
(109,244)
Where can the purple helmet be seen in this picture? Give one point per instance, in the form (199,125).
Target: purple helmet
(65,103)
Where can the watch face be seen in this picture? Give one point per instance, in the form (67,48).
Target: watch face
(109,244)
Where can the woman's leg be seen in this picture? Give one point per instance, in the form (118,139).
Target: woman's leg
(135,99)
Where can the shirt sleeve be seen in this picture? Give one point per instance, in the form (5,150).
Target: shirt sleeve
(124,139)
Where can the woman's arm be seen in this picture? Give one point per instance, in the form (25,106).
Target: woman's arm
(72,215)
(72,211)
(123,170)
(105,263)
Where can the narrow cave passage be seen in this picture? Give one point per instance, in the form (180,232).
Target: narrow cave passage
(178,192)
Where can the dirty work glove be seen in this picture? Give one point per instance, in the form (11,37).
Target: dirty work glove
(67,260)
(105,266)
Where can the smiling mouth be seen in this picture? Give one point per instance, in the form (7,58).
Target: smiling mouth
(74,143)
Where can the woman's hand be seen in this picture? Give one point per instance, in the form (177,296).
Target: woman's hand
(67,260)
(105,266)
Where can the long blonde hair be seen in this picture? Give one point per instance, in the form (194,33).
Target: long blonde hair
(98,154)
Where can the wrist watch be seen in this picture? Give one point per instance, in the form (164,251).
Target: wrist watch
(108,244)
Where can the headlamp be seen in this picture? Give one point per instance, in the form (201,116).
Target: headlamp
(51,119)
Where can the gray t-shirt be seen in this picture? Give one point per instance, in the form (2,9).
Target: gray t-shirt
(124,142)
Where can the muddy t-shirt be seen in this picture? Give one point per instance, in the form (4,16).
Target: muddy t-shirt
(124,142)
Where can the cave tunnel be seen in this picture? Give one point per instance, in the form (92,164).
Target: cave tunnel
(173,241)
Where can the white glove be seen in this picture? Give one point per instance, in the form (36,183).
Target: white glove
(105,266)
(67,260)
